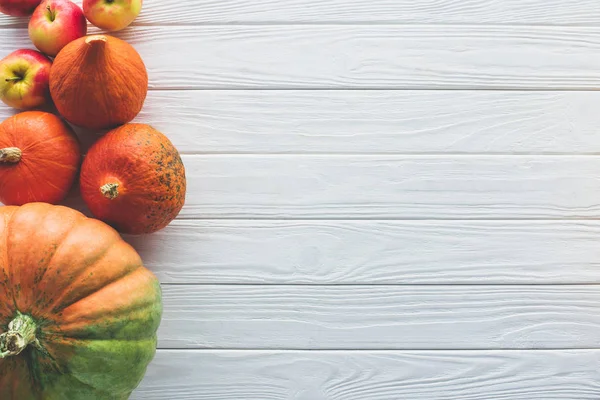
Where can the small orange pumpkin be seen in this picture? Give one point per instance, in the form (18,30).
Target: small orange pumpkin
(133,178)
(39,158)
(98,82)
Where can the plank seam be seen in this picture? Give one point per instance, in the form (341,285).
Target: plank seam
(373,88)
(365,350)
(307,23)
(390,154)
(379,285)
(267,218)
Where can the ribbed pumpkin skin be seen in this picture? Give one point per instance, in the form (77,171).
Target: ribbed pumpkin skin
(98,82)
(150,176)
(49,162)
(96,307)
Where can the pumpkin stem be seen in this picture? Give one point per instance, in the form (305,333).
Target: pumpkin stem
(110,190)
(10,155)
(21,333)
(95,39)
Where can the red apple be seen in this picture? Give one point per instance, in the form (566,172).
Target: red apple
(54,24)
(18,8)
(24,78)
(112,15)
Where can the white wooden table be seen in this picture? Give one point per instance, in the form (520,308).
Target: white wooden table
(388,199)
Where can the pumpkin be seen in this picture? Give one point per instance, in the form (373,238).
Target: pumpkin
(133,178)
(98,82)
(39,158)
(78,310)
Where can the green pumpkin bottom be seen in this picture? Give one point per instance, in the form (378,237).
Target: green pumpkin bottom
(79,313)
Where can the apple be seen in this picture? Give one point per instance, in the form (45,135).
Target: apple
(54,24)
(112,15)
(18,8)
(24,79)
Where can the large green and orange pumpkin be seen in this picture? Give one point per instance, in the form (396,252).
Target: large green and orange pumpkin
(78,310)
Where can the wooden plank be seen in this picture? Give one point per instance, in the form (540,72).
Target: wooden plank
(391,187)
(373,375)
(373,252)
(380,317)
(345,56)
(370,56)
(355,122)
(580,12)
(374,122)
(388,11)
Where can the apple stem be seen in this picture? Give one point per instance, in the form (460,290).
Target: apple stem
(52,14)
(14,78)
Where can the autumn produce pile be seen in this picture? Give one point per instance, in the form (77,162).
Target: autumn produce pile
(79,312)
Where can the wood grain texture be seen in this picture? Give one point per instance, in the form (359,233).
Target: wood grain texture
(389,11)
(369,122)
(471,189)
(390,187)
(374,252)
(372,375)
(358,122)
(387,57)
(370,56)
(380,317)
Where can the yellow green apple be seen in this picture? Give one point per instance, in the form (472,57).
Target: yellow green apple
(56,23)
(111,15)
(24,79)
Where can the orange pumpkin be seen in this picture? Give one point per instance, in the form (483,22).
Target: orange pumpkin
(79,313)
(133,178)
(98,82)
(39,158)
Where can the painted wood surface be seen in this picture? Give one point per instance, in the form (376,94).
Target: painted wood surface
(380,317)
(373,252)
(412,183)
(381,121)
(390,187)
(554,12)
(387,57)
(373,122)
(580,12)
(381,375)
(376,122)
(361,56)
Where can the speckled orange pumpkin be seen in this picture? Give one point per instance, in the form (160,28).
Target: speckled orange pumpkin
(133,178)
